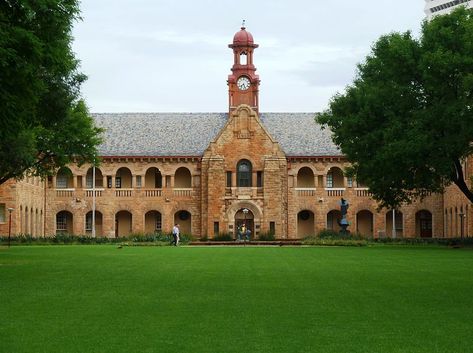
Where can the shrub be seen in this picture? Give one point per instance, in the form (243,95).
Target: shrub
(223,237)
(269,236)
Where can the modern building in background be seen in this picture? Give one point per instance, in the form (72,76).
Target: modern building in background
(441,7)
(278,173)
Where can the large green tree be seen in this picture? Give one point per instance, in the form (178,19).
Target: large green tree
(43,122)
(406,122)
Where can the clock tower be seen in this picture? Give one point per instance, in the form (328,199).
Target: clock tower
(243,82)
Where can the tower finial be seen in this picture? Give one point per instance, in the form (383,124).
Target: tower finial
(243,25)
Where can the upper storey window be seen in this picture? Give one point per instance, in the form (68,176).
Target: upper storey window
(244,173)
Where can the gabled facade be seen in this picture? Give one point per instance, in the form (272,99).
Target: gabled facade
(279,173)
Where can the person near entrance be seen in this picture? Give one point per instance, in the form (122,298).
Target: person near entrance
(175,235)
(243,232)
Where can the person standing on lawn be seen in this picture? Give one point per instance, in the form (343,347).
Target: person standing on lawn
(175,235)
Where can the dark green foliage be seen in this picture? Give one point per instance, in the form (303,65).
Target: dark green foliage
(43,122)
(333,241)
(63,238)
(406,122)
(269,236)
(223,237)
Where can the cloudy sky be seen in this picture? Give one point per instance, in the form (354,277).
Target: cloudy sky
(173,55)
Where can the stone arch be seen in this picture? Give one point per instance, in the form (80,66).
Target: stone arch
(98,223)
(424,223)
(365,222)
(32,222)
(89,178)
(237,206)
(123,178)
(27,223)
(305,223)
(335,178)
(182,178)
(399,223)
(64,178)
(153,222)
(64,222)
(305,178)
(153,178)
(184,219)
(123,223)
(244,216)
(333,219)
(22,227)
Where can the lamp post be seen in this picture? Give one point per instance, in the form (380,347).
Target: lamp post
(10,210)
(93,200)
(462,215)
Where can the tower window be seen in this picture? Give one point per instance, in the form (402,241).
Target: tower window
(259,179)
(229,179)
(243,59)
(244,173)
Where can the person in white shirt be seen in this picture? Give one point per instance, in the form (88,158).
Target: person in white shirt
(175,235)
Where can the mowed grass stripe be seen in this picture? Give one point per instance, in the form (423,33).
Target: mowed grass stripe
(188,299)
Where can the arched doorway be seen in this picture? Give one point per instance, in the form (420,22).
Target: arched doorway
(364,223)
(153,222)
(305,223)
(398,224)
(98,223)
(333,219)
(424,224)
(244,215)
(184,219)
(123,224)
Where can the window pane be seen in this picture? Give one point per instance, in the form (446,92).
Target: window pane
(2,213)
(61,181)
(88,221)
(61,222)
(229,179)
(329,180)
(244,174)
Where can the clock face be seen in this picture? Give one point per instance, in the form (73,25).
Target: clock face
(243,83)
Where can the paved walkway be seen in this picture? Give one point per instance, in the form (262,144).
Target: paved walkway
(245,243)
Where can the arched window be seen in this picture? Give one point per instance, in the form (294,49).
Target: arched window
(244,173)
(64,178)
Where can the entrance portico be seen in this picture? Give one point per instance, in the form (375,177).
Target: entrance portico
(236,216)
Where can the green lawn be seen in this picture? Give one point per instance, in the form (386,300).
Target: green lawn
(189,299)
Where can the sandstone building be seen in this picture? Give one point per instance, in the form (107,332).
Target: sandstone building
(278,172)
(442,7)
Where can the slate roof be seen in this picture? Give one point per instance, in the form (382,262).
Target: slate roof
(189,134)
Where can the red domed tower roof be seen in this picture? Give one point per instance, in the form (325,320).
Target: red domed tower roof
(242,37)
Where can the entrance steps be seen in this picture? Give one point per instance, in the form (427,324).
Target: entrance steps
(247,243)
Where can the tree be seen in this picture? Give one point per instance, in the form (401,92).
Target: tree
(406,122)
(43,122)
